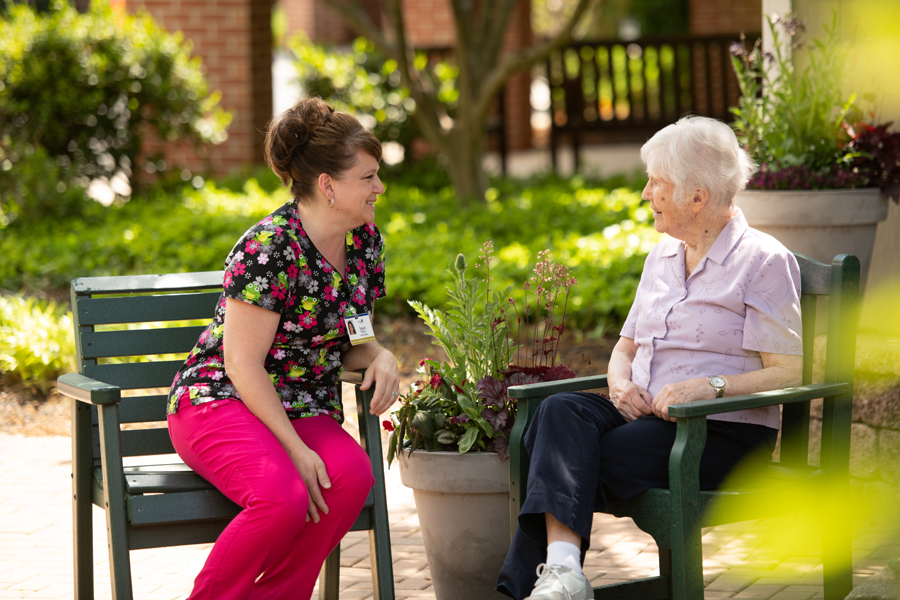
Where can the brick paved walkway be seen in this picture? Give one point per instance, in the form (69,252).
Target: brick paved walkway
(36,533)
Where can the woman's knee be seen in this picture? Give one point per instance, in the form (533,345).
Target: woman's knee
(283,507)
(351,472)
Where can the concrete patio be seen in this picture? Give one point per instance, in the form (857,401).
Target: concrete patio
(36,545)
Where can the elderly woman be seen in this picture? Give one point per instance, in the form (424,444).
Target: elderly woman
(716,314)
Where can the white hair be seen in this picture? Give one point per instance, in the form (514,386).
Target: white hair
(699,152)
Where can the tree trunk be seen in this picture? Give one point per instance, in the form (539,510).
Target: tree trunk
(463,149)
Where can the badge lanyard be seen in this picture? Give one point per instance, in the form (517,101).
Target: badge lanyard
(359,326)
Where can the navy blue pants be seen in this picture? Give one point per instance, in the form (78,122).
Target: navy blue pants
(584,454)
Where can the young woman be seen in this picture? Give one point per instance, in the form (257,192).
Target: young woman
(255,408)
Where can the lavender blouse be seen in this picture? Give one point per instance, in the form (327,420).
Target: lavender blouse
(743,298)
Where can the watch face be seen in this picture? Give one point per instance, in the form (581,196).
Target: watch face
(717,381)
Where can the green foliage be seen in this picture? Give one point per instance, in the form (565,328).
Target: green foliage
(601,233)
(87,88)
(463,404)
(597,229)
(35,188)
(472,331)
(36,341)
(163,231)
(362,82)
(790,117)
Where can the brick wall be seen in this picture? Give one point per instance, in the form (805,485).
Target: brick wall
(234,40)
(322,24)
(708,17)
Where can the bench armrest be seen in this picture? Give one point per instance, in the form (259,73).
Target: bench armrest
(758,400)
(354,377)
(548,388)
(90,391)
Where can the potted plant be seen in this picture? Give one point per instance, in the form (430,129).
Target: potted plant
(824,175)
(450,434)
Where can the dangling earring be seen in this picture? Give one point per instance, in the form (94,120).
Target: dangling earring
(332,200)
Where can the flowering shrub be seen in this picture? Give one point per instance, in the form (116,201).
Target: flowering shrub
(462,404)
(797,125)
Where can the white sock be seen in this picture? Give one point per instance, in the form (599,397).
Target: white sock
(565,554)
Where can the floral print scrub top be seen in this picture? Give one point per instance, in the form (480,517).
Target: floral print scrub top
(275,265)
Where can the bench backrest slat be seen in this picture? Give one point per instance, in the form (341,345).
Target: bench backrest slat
(136,376)
(172,340)
(815,277)
(144,442)
(143,409)
(146,309)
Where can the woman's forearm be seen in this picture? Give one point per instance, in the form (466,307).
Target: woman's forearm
(620,361)
(360,357)
(779,371)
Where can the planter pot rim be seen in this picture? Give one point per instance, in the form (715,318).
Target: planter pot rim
(812,208)
(454,473)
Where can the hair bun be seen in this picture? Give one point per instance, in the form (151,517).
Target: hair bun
(311,138)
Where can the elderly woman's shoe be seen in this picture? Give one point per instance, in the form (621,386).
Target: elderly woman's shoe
(556,582)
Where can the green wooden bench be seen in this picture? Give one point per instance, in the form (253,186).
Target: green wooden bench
(674,516)
(132,334)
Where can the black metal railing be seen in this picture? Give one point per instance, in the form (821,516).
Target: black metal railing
(628,90)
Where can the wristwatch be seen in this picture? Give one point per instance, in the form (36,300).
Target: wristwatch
(718,384)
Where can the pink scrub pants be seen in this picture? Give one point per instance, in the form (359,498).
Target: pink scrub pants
(269,550)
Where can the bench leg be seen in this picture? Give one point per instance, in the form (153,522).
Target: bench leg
(330,577)
(665,567)
(837,559)
(82,502)
(114,501)
(382,567)
(687,566)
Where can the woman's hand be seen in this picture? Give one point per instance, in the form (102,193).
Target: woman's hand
(630,399)
(312,471)
(688,390)
(383,372)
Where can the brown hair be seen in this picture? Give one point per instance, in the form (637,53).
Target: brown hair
(311,138)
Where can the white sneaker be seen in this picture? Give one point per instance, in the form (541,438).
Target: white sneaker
(557,582)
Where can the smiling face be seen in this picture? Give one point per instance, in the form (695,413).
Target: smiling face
(356,192)
(670,214)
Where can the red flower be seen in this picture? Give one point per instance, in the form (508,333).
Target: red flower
(388,425)
(435,382)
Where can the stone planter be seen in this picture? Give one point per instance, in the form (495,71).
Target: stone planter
(463,506)
(818,223)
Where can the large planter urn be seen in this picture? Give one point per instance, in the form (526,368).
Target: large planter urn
(818,223)
(463,506)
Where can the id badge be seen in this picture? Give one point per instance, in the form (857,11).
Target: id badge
(360,328)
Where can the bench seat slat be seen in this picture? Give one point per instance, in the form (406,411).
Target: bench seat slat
(137,483)
(136,376)
(146,309)
(141,342)
(175,534)
(196,505)
(143,409)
